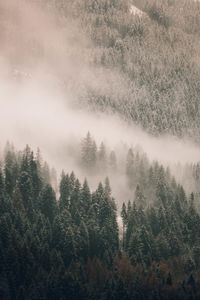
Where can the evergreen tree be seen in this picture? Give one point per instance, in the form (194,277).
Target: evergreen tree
(46,173)
(10,171)
(130,167)
(113,161)
(26,190)
(102,158)
(139,197)
(75,203)
(85,199)
(2,192)
(89,152)
(65,190)
(48,205)
(83,242)
(124,217)
(35,176)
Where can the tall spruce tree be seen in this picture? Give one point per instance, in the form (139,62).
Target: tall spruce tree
(47,204)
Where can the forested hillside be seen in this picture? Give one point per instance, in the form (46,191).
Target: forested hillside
(69,247)
(109,90)
(131,168)
(155,56)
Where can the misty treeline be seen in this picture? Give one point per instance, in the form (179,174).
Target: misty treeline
(95,159)
(139,173)
(68,246)
(153,59)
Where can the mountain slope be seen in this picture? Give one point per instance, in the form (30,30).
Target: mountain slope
(157,57)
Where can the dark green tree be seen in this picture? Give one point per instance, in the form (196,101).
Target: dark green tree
(64,201)
(47,204)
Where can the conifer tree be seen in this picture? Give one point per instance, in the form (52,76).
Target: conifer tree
(65,190)
(102,158)
(48,205)
(139,197)
(85,199)
(2,186)
(130,167)
(124,220)
(75,203)
(10,172)
(26,190)
(83,243)
(113,161)
(89,152)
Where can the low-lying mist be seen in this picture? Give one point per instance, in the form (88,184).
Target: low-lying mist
(44,72)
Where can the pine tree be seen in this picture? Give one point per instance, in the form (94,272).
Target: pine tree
(129,208)
(102,159)
(39,160)
(53,175)
(108,221)
(69,245)
(17,200)
(35,176)
(85,199)
(25,163)
(61,221)
(113,162)
(124,220)
(161,187)
(26,190)
(124,214)
(89,153)
(2,193)
(48,205)
(83,242)
(130,168)
(64,201)
(139,197)
(10,170)
(46,174)
(72,180)
(97,198)
(107,187)
(75,203)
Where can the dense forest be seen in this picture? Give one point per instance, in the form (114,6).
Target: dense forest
(155,56)
(71,246)
(146,65)
(115,224)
